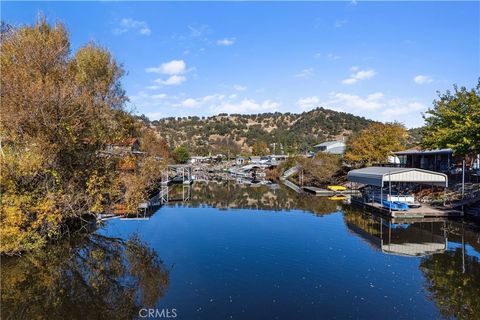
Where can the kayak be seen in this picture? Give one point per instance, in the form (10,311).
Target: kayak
(336,188)
(337,198)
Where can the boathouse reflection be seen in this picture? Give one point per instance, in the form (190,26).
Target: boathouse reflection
(413,238)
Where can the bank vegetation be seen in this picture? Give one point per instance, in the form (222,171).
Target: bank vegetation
(60,110)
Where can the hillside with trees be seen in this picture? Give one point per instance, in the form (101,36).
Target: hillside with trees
(259,133)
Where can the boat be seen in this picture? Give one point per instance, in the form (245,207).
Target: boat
(337,188)
(337,197)
(409,199)
(395,205)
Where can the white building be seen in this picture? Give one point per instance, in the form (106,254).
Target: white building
(333,147)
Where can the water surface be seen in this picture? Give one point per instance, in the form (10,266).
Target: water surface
(242,252)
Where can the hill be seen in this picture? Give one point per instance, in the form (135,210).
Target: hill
(259,133)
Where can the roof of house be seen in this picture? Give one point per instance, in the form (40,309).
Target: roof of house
(423,152)
(378,176)
(336,150)
(329,143)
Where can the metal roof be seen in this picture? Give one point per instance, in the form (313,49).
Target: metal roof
(414,249)
(378,176)
(336,150)
(329,143)
(423,152)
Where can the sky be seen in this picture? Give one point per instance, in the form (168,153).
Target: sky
(380,60)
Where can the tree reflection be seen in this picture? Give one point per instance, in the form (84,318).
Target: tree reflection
(230,195)
(94,277)
(456,293)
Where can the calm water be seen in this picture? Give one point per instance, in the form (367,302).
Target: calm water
(239,252)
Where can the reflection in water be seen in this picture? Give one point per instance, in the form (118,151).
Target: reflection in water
(452,276)
(406,239)
(90,277)
(453,280)
(253,264)
(228,195)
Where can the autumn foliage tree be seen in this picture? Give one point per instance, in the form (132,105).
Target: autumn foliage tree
(323,168)
(58,112)
(375,143)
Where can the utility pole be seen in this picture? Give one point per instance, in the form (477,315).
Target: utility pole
(463,178)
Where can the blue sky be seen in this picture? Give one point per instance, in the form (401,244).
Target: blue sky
(384,61)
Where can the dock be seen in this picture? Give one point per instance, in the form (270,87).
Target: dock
(328,193)
(424,211)
(292,186)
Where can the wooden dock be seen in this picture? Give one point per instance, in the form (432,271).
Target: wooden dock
(422,212)
(328,193)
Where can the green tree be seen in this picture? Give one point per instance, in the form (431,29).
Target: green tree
(375,143)
(454,121)
(181,154)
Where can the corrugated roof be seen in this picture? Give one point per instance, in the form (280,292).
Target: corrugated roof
(378,176)
(329,143)
(423,152)
(336,150)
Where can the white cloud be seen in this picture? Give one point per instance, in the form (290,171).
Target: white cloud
(159,96)
(305,73)
(213,97)
(421,79)
(190,103)
(127,24)
(239,87)
(340,23)
(147,101)
(399,108)
(173,67)
(328,56)
(354,102)
(154,115)
(226,42)
(359,75)
(245,106)
(172,80)
(308,102)
(332,56)
(377,106)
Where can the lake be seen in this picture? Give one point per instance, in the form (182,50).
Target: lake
(243,252)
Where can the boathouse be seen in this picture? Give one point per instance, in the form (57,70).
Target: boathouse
(381,176)
(379,183)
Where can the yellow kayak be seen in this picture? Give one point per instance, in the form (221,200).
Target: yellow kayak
(337,198)
(336,188)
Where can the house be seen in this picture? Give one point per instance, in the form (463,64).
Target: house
(199,159)
(260,160)
(439,160)
(127,146)
(332,147)
(278,157)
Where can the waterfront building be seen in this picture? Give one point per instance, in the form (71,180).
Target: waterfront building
(333,147)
